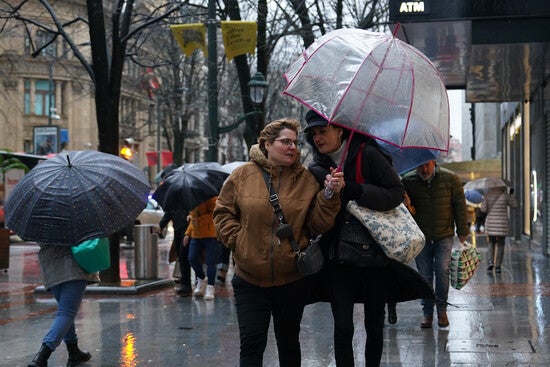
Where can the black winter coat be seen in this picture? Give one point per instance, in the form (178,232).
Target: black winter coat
(381,191)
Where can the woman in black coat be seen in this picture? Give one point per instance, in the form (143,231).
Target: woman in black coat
(347,284)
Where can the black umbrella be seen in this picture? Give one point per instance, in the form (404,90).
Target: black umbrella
(189,185)
(74,197)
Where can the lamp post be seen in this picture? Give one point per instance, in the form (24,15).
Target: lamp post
(51,93)
(257,86)
(52,112)
(212,81)
(159,144)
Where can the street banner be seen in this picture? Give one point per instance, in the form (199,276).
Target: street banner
(190,37)
(239,37)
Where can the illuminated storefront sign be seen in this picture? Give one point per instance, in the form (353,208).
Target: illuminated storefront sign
(414,7)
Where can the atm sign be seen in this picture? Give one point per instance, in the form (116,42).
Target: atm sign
(413,7)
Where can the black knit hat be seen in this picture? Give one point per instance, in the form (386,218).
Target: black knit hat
(314,119)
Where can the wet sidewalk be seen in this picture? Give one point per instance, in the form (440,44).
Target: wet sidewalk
(499,320)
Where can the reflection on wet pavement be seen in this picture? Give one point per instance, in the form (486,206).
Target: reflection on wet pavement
(496,320)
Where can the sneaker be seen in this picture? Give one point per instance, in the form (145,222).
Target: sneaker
(209,292)
(490,267)
(497,270)
(442,319)
(200,286)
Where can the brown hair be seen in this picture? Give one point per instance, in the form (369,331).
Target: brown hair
(271,131)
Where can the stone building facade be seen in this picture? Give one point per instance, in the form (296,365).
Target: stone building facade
(52,94)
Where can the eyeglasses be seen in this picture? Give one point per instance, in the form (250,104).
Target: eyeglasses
(288,142)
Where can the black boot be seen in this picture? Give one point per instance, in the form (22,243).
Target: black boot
(41,358)
(76,356)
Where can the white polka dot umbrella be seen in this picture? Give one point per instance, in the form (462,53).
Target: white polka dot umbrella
(76,196)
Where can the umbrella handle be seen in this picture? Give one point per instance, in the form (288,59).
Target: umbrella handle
(345,153)
(328,191)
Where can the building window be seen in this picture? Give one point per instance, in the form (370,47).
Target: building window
(27,97)
(44,38)
(42,96)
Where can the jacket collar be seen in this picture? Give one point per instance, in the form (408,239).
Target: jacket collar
(258,157)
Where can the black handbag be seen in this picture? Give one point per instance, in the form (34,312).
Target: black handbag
(356,246)
(309,260)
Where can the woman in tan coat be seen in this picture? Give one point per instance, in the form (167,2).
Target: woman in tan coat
(266,283)
(497,224)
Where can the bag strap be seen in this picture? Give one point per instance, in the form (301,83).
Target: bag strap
(274,201)
(358,174)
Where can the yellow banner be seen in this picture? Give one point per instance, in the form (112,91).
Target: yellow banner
(190,37)
(239,37)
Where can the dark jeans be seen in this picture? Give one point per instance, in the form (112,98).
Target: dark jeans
(351,285)
(255,307)
(196,246)
(223,257)
(183,258)
(433,264)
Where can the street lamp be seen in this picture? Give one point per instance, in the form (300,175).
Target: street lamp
(257,86)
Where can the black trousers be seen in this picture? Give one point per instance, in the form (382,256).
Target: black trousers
(255,307)
(350,285)
(183,257)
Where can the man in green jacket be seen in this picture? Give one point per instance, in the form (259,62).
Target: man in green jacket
(438,197)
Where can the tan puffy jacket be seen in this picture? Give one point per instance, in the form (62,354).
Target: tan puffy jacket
(245,221)
(496,205)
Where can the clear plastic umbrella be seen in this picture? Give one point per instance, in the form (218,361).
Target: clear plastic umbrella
(374,84)
(486,183)
(230,167)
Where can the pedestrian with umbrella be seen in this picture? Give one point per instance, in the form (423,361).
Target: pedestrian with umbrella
(187,189)
(497,224)
(201,236)
(178,217)
(60,203)
(375,85)
(345,284)
(474,191)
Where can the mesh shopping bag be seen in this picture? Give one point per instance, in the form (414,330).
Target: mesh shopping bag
(464,262)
